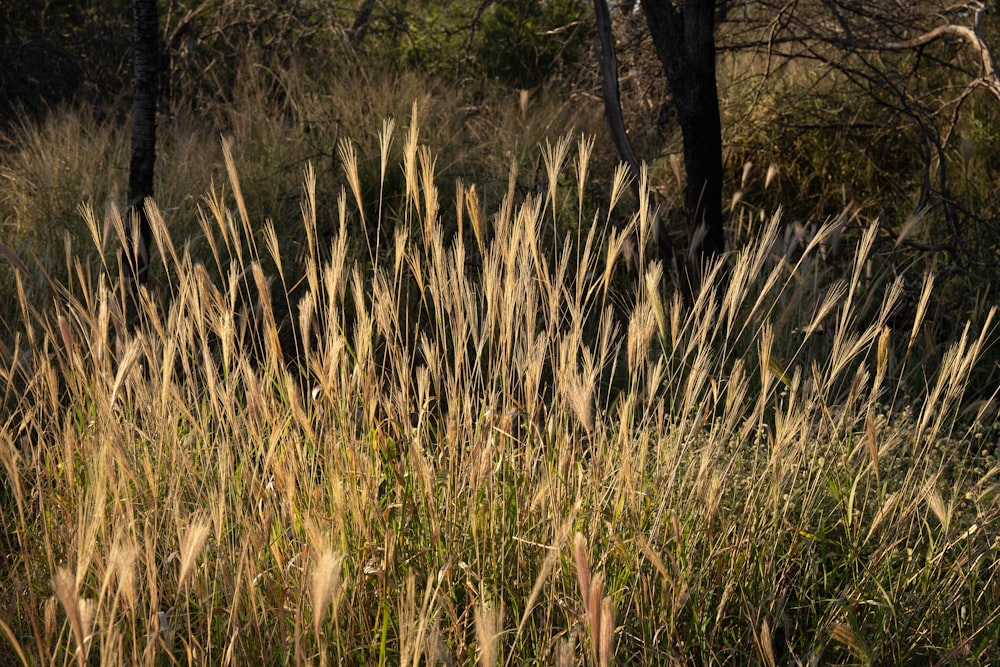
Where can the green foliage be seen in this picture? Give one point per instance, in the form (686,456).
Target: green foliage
(524,42)
(425,35)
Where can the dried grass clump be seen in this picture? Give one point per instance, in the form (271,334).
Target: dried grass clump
(399,479)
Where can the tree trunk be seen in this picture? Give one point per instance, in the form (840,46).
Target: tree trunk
(684,36)
(608,63)
(145,47)
(611,92)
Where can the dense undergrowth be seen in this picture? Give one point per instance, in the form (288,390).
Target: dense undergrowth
(417,389)
(485,432)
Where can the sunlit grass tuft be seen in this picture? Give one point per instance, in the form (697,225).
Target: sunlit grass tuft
(400,462)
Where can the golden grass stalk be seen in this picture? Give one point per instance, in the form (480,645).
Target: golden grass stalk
(489,625)
(78,611)
(599,608)
(326,587)
(191,545)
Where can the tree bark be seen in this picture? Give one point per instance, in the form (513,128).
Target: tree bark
(683,33)
(611,92)
(608,63)
(146,63)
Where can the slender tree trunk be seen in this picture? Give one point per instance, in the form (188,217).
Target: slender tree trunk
(684,36)
(608,63)
(145,54)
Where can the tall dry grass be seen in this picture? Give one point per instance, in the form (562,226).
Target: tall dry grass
(483,448)
(277,119)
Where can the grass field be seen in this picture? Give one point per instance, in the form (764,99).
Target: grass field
(484,439)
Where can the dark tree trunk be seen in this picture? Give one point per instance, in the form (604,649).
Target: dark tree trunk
(683,33)
(145,54)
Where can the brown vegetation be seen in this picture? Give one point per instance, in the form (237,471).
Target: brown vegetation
(409,386)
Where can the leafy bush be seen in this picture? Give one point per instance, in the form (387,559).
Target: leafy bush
(524,42)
